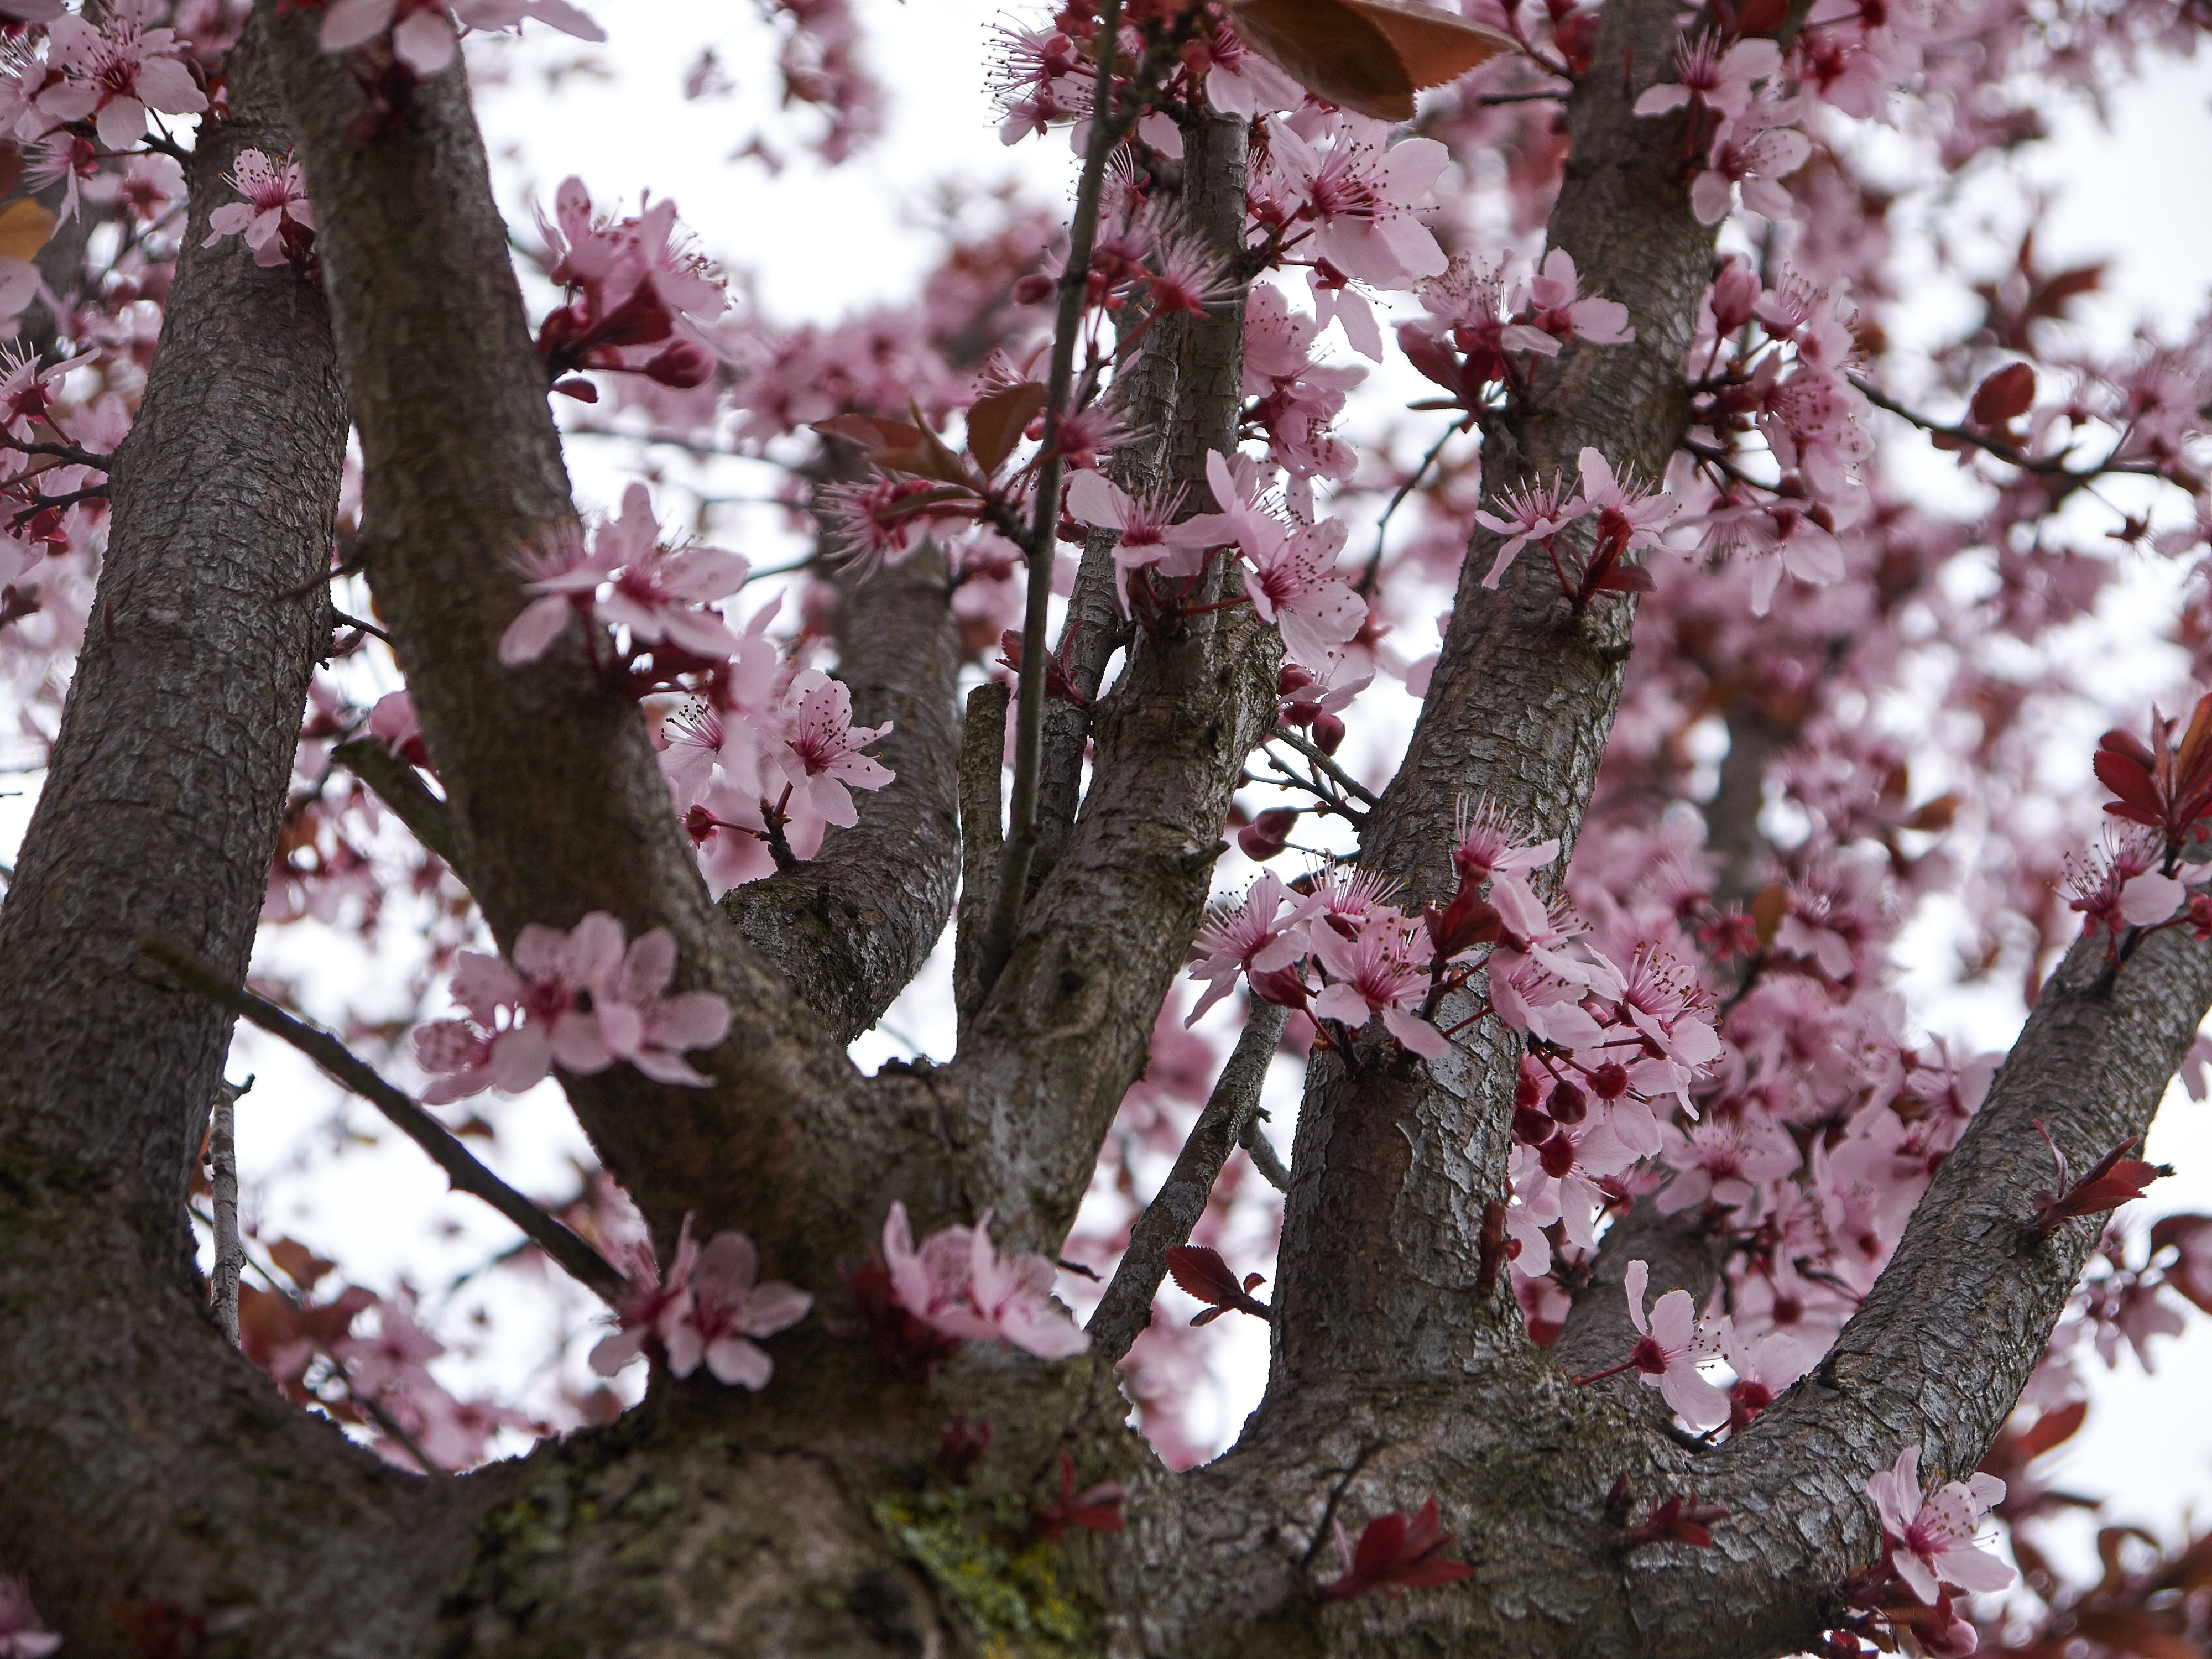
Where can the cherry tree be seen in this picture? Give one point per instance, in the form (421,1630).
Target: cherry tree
(1639,1278)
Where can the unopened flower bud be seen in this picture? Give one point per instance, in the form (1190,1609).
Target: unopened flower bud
(1609,1081)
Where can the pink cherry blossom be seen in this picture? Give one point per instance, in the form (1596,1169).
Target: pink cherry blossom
(1376,972)
(1292,580)
(1534,512)
(1562,311)
(645,1298)
(718,1306)
(117,72)
(423,35)
(1360,200)
(628,580)
(820,759)
(1239,81)
(956,1284)
(1150,536)
(1720,80)
(275,198)
(1669,1348)
(639,1023)
(1488,838)
(1628,514)
(1933,1536)
(577,999)
(1264,933)
(1753,152)
(1722,1162)
(21,1635)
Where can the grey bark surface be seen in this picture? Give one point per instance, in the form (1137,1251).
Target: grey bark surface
(849,928)
(141,1459)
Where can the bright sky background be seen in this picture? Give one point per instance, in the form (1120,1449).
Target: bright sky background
(816,244)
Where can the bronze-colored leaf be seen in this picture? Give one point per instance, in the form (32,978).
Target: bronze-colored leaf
(24,227)
(996,423)
(1368,56)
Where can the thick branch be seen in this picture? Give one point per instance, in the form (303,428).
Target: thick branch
(144,1459)
(556,802)
(853,926)
(1064,1030)
(1395,1163)
(1939,1351)
(1127,1308)
(982,806)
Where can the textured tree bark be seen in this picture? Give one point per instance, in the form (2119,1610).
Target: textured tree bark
(1394,1162)
(141,1460)
(851,927)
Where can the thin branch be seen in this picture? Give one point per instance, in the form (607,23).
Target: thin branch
(341,620)
(1342,779)
(1127,1307)
(1261,1151)
(2049,466)
(1028,723)
(577,1259)
(223,1184)
(1366,584)
(398,786)
(41,503)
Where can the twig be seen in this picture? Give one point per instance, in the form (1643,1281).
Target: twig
(1366,584)
(1127,1308)
(398,786)
(1254,1140)
(579,1259)
(1020,848)
(2051,466)
(982,761)
(41,503)
(339,618)
(223,1183)
(1312,751)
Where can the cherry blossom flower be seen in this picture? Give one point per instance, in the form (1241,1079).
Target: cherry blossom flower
(116,73)
(1668,1349)
(1375,972)
(21,1635)
(958,1284)
(1360,200)
(1754,152)
(1488,838)
(276,204)
(392,723)
(1628,514)
(1263,934)
(576,1000)
(1933,1536)
(820,759)
(1292,581)
(1722,1161)
(639,1023)
(1564,315)
(645,1298)
(1719,80)
(1534,512)
(627,580)
(1763,1368)
(1149,533)
(730,834)
(1239,81)
(423,32)
(718,1306)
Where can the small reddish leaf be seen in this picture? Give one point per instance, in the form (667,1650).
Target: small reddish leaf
(578,387)
(2004,396)
(1627,578)
(1368,55)
(996,423)
(1201,1273)
(1397,1552)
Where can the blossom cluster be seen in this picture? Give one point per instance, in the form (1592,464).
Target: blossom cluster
(706,1311)
(424,35)
(957,1286)
(581,1000)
